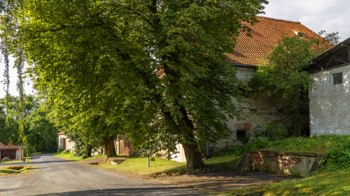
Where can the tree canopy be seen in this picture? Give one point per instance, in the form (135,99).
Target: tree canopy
(154,70)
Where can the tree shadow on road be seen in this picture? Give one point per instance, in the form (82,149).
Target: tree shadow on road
(178,191)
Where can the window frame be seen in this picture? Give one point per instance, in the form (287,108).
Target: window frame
(333,81)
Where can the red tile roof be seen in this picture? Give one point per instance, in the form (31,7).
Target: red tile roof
(2,145)
(60,133)
(266,35)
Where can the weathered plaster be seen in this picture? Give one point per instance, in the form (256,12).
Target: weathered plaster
(329,103)
(257,111)
(70,145)
(282,162)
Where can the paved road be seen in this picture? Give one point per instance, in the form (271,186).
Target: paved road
(55,176)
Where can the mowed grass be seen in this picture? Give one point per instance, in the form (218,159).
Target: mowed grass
(15,170)
(14,161)
(138,165)
(322,184)
(72,157)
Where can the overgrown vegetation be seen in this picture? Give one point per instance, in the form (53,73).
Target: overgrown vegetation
(284,79)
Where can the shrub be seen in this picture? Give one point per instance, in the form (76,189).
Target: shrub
(60,150)
(276,132)
(28,149)
(5,159)
(262,142)
(84,156)
(338,157)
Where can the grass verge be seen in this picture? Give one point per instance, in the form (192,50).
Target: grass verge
(322,183)
(15,170)
(7,162)
(72,157)
(138,165)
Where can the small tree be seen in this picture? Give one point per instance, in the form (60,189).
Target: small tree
(284,79)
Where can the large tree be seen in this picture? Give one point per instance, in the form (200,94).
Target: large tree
(164,59)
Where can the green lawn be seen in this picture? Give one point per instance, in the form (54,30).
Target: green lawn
(14,170)
(71,156)
(138,165)
(14,161)
(323,184)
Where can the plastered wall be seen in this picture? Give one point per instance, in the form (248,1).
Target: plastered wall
(330,103)
(70,144)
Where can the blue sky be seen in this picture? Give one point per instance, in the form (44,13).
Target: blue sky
(317,15)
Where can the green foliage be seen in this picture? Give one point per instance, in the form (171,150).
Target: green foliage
(5,159)
(338,157)
(155,70)
(284,79)
(59,150)
(28,150)
(39,133)
(262,142)
(275,131)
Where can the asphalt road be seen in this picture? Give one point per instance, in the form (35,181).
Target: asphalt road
(55,176)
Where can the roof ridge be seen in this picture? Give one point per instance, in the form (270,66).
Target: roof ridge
(279,19)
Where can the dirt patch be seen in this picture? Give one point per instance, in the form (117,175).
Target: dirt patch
(221,181)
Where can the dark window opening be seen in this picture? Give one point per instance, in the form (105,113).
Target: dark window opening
(301,34)
(241,134)
(253,110)
(337,78)
(305,132)
(244,92)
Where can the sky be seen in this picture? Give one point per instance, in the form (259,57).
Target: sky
(317,15)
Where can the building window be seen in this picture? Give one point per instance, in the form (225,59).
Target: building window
(241,134)
(244,92)
(253,110)
(338,78)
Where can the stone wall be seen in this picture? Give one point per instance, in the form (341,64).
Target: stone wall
(281,162)
(329,103)
(257,111)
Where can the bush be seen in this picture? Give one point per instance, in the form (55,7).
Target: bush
(60,150)
(84,156)
(5,159)
(262,142)
(28,149)
(276,132)
(338,157)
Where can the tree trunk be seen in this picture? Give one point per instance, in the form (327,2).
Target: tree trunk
(193,156)
(110,150)
(89,151)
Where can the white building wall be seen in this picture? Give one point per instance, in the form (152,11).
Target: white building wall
(69,144)
(330,103)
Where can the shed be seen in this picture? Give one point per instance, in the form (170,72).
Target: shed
(10,151)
